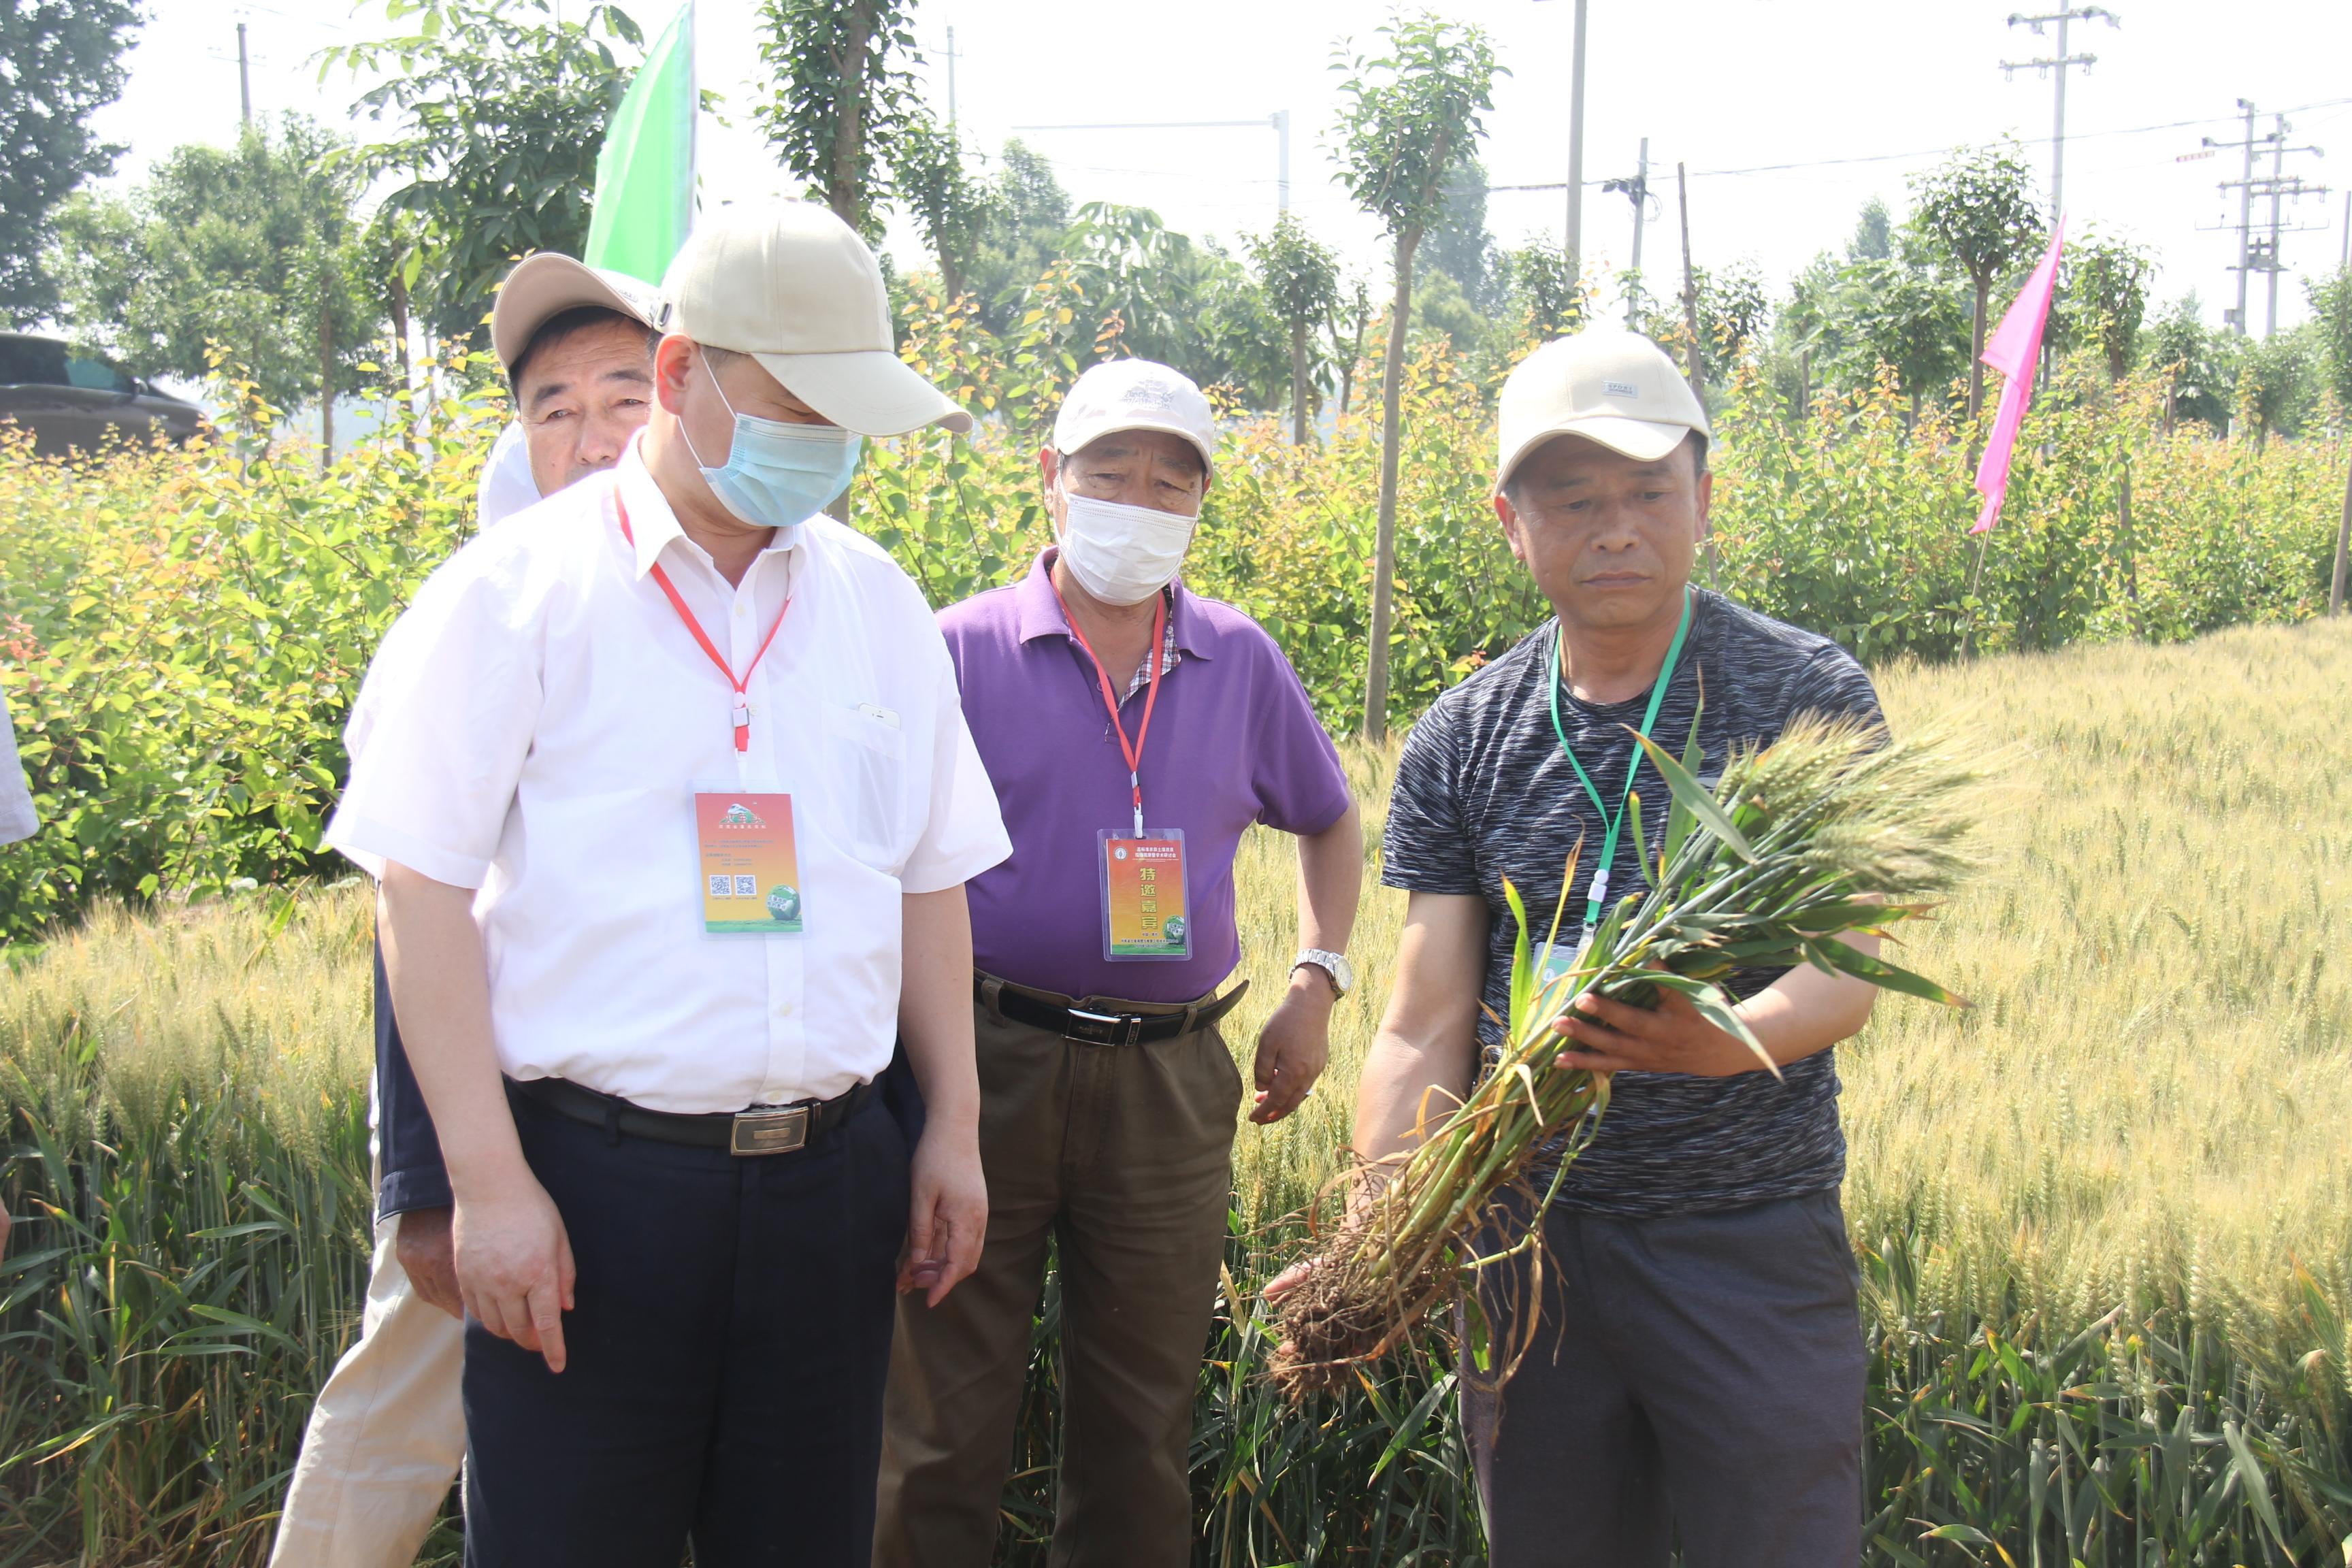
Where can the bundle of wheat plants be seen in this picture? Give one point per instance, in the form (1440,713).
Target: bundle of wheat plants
(1831,830)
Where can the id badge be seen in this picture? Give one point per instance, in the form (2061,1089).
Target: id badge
(750,874)
(1144,910)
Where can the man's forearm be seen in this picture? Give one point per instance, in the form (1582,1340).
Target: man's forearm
(935,1007)
(1331,882)
(1805,1012)
(441,993)
(1405,1084)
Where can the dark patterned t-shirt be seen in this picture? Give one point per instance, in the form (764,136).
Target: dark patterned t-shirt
(1484,792)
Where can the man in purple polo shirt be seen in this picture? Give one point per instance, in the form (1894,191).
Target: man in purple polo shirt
(1133,731)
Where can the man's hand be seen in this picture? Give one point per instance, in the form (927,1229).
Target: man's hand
(1294,1046)
(1613,1037)
(428,1256)
(514,1266)
(5,1223)
(949,1218)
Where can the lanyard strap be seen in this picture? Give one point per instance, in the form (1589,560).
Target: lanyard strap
(1598,894)
(741,713)
(1134,753)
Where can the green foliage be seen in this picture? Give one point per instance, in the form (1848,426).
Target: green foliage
(2278,383)
(1978,211)
(1906,319)
(1409,116)
(1458,245)
(2331,307)
(2198,364)
(242,251)
(843,95)
(185,632)
(2102,298)
(62,61)
(950,207)
(501,117)
(1299,277)
(1178,300)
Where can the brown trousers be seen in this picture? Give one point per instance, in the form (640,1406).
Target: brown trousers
(1123,1156)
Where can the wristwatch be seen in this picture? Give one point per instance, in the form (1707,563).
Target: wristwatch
(1335,967)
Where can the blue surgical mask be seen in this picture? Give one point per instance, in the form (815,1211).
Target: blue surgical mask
(778,475)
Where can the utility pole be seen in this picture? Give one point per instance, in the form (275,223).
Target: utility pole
(2060,63)
(2245,188)
(951,60)
(244,80)
(1638,189)
(1575,250)
(2259,253)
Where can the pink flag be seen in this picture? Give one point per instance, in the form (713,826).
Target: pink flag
(2013,350)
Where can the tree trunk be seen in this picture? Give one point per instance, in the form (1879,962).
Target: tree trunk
(842,189)
(1975,352)
(2124,548)
(2336,584)
(1376,673)
(1805,385)
(326,387)
(1298,382)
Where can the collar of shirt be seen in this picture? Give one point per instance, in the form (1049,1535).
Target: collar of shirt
(1039,614)
(654,523)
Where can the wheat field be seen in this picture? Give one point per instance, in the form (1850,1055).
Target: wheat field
(2153,1091)
(2105,1215)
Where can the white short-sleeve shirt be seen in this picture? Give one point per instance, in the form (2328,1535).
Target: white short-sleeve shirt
(535,724)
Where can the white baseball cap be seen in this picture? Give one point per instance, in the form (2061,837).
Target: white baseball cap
(545,284)
(794,286)
(1606,384)
(1136,394)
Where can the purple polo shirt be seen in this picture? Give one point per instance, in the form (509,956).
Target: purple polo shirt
(1233,741)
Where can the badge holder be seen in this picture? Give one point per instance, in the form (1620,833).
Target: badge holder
(749,874)
(1145,912)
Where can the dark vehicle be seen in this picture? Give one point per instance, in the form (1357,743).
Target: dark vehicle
(69,398)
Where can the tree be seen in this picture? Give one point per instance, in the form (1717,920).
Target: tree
(1350,324)
(253,249)
(845,99)
(1027,213)
(1301,280)
(2331,310)
(61,61)
(2103,300)
(2278,383)
(1542,299)
(1873,234)
(1181,301)
(1407,119)
(950,207)
(1457,244)
(501,119)
(2197,366)
(1979,212)
(1904,317)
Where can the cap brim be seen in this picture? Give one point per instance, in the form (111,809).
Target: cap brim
(1166,427)
(546,285)
(872,391)
(1643,440)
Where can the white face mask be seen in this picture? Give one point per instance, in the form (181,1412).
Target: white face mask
(1123,554)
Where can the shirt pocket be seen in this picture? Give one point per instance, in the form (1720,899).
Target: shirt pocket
(868,768)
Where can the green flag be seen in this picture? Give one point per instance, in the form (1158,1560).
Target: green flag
(644,175)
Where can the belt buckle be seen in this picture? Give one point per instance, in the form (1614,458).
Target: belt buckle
(780,1131)
(1103,1029)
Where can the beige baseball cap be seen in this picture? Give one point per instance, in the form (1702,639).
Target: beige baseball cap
(794,286)
(1136,394)
(547,284)
(1606,384)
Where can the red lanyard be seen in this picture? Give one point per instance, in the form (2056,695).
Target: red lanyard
(1133,753)
(742,713)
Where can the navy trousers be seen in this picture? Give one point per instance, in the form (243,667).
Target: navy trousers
(728,1352)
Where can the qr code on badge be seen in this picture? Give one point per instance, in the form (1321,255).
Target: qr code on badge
(721,885)
(747,887)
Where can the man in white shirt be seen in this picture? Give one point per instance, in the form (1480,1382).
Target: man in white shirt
(673,804)
(385,1438)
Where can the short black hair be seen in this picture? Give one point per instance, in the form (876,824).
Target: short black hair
(571,323)
(1694,443)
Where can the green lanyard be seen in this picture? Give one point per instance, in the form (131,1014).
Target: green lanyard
(1598,896)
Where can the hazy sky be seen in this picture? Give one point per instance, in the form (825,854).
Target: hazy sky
(1855,96)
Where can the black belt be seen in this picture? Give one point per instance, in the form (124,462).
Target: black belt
(1095,1020)
(761,1129)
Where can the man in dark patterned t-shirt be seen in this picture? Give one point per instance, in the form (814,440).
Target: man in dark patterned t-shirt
(1697,1375)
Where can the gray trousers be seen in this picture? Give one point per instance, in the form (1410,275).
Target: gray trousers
(1695,1382)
